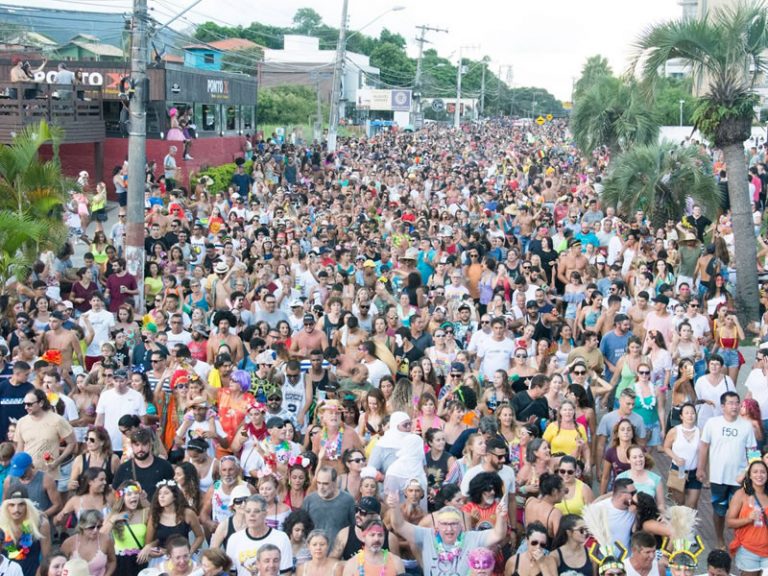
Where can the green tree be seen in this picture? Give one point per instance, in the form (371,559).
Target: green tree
(395,66)
(532,102)
(726,52)
(667,98)
(658,178)
(612,113)
(286,105)
(32,196)
(595,68)
(392,38)
(306,21)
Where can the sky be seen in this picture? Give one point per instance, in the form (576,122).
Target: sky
(545,42)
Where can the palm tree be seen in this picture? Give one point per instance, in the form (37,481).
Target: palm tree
(595,68)
(726,53)
(611,113)
(659,179)
(33,187)
(19,237)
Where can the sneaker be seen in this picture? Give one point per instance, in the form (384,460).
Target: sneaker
(188,157)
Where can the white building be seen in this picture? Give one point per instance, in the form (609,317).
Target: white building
(301,57)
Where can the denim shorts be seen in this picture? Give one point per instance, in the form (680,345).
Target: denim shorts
(749,561)
(730,357)
(721,497)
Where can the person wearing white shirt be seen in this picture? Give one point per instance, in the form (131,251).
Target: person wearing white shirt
(116,402)
(496,352)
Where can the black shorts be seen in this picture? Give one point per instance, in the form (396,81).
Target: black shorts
(721,497)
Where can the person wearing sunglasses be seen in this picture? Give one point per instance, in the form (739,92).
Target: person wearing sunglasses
(87,542)
(532,560)
(576,493)
(569,548)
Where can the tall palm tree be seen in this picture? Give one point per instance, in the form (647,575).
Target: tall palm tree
(659,178)
(595,68)
(726,53)
(33,187)
(611,113)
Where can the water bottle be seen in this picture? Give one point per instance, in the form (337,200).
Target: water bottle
(759,522)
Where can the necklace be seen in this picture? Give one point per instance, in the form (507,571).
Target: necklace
(445,556)
(361,562)
(18,551)
(332,451)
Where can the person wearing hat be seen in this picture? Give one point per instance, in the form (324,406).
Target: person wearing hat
(660,320)
(200,422)
(118,401)
(296,317)
(308,339)
(276,449)
(350,539)
(236,522)
(40,486)
(25,528)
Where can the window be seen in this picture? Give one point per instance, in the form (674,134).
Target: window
(247,117)
(230,118)
(208,58)
(209,117)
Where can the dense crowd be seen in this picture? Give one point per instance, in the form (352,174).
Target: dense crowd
(429,353)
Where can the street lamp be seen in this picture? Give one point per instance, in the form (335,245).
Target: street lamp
(681,111)
(338,70)
(457,111)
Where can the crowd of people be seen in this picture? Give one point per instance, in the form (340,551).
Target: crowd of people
(428,353)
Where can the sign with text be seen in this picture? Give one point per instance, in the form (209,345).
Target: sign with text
(384,100)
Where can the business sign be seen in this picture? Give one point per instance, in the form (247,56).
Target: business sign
(109,80)
(384,100)
(217,88)
(438,105)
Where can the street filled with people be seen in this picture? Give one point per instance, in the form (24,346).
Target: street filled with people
(435,352)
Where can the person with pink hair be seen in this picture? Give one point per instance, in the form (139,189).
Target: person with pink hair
(750,410)
(174,134)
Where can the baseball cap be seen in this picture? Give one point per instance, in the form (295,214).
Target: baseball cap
(369,505)
(458,367)
(309,318)
(197,444)
(17,491)
(19,464)
(275,422)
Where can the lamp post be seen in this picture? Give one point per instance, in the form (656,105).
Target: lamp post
(681,111)
(459,72)
(338,70)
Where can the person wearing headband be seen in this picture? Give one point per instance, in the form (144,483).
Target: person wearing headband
(447,544)
(373,559)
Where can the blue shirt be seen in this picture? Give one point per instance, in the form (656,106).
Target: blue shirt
(613,347)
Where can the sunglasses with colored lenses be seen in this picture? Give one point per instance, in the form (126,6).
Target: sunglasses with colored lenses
(568,472)
(535,543)
(643,372)
(579,372)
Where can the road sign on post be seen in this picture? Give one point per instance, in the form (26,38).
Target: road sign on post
(540,120)
(438,105)
(549,117)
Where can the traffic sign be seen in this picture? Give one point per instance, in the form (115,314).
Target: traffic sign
(549,117)
(540,120)
(438,105)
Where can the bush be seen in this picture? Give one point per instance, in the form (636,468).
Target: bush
(221,175)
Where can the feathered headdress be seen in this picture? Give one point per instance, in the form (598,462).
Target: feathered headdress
(684,546)
(606,552)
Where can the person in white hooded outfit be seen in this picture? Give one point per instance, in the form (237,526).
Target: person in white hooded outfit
(399,455)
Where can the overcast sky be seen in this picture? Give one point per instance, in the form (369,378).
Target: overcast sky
(545,41)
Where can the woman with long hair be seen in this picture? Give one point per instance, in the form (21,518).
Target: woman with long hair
(186,476)
(625,373)
(682,447)
(140,383)
(534,559)
(728,334)
(683,392)
(90,545)
(454,425)
(474,450)
(645,480)
(750,411)
(569,547)
(127,524)
(98,454)
(375,405)
(93,493)
(500,392)
(439,460)
(25,534)
(616,457)
(747,518)
(576,493)
(685,346)
(402,397)
(426,414)
(567,436)
(298,482)
(319,562)
(82,290)
(354,461)
(659,358)
(538,461)
(585,412)
(509,429)
(277,511)
(649,405)
(169,516)
(53,565)
(648,517)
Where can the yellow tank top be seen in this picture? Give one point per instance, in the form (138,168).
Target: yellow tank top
(575,504)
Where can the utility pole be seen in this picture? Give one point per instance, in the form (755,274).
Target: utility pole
(338,72)
(137,150)
(482,90)
(417,81)
(457,111)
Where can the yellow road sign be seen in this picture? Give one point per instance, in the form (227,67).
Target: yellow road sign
(549,117)
(540,120)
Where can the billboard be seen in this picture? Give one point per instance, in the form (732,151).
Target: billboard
(386,100)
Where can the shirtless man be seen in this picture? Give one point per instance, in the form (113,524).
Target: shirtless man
(702,270)
(572,260)
(66,342)
(308,339)
(220,289)
(224,320)
(638,313)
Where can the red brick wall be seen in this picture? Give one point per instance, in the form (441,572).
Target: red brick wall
(205,151)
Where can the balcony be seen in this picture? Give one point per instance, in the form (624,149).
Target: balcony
(79,113)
